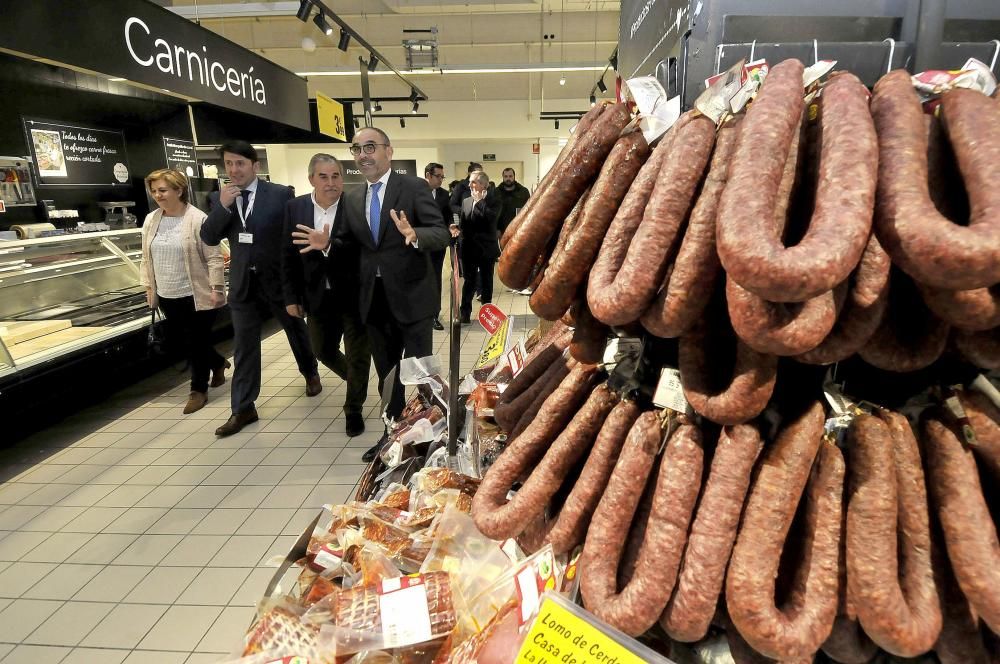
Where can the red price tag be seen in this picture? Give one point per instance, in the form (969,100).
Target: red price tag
(491,318)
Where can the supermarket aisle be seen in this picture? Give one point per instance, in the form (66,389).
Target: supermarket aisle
(130,533)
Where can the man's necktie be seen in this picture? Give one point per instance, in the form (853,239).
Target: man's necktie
(246,203)
(375,211)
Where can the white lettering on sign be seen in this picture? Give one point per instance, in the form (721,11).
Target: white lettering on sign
(188,63)
(642,17)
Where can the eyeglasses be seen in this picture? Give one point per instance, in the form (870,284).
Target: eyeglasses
(369,148)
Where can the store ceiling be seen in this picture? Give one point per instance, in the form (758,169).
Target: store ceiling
(474,34)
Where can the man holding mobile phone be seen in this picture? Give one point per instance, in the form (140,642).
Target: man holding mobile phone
(251,214)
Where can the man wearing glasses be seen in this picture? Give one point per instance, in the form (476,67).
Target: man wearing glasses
(434,175)
(395,224)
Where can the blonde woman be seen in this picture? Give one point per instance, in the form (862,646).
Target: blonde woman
(185,278)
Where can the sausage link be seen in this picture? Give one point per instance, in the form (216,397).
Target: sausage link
(980,348)
(752,252)
(969,310)
(569,267)
(923,242)
(619,294)
(690,611)
(636,607)
(985,420)
(590,336)
(570,528)
(802,624)
(969,532)
(582,127)
(569,180)
(689,283)
(894,595)
(960,641)
(548,349)
(781,328)
(542,266)
(742,395)
(490,509)
(862,312)
(910,337)
(508,415)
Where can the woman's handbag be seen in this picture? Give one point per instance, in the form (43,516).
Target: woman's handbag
(156,339)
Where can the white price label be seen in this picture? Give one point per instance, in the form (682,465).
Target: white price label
(327,558)
(527,583)
(405,616)
(515,357)
(669,392)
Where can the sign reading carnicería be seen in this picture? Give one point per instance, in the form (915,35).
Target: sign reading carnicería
(142,42)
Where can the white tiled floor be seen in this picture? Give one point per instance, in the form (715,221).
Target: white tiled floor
(130,533)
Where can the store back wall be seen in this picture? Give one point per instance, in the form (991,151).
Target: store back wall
(52,93)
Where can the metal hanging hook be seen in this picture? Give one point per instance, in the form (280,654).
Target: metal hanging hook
(718,58)
(892,52)
(815,51)
(996,52)
(753,49)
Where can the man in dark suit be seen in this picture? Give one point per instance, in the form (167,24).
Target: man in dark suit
(463,191)
(434,174)
(251,214)
(325,286)
(480,250)
(394,222)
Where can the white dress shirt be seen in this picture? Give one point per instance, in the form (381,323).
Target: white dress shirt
(252,188)
(324,217)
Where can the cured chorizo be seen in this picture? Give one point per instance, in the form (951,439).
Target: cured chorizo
(960,641)
(582,127)
(619,292)
(690,611)
(968,310)
(910,337)
(780,328)
(590,336)
(739,395)
(489,506)
(800,626)
(569,266)
(752,252)
(570,527)
(862,311)
(894,594)
(985,420)
(570,178)
(509,415)
(549,348)
(980,348)
(635,608)
(969,532)
(923,242)
(689,283)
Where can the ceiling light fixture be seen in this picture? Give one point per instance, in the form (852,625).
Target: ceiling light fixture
(601,86)
(357,123)
(372,62)
(416,105)
(414,96)
(402,123)
(593,100)
(305,7)
(378,107)
(321,23)
(345,40)
(557,124)
(562,80)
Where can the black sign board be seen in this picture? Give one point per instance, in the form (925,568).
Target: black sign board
(489,157)
(181,155)
(140,41)
(74,155)
(646,28)
(352,175)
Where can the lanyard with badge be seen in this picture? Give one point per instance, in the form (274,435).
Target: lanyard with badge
(245,237)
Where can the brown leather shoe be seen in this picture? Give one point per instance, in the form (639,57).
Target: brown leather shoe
(196,401)
(236,422)
(219,375)
(313,386)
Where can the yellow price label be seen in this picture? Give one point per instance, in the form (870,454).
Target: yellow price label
(558,636)
(495,347)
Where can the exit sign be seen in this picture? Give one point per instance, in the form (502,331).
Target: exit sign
(489,157)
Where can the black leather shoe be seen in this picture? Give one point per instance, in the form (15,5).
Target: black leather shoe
(355,424)
(466,320)
(313,386)
(236,422)
(374,449)
(219,375)
(437,324)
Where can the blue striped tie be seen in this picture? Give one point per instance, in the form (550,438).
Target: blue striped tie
(375,211)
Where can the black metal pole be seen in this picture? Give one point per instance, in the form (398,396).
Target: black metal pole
(366,99)
(930,34)
(454,356)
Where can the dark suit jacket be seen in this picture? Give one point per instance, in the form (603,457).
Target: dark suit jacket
(304,276)
(444,203)
(478,222)
(462,191)
(409,283)
(267,223)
